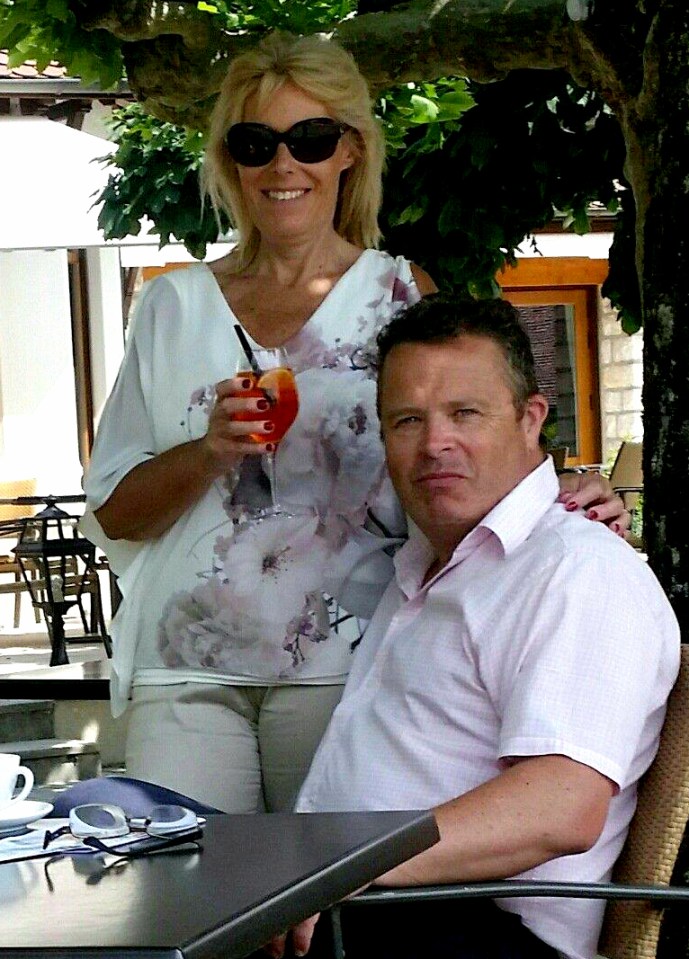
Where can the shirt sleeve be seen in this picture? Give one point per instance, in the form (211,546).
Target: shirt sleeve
(125,436)
(593,678)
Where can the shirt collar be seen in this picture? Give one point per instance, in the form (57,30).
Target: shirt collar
(515,517)
(511,522)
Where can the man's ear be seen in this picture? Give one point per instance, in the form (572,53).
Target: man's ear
(535,414)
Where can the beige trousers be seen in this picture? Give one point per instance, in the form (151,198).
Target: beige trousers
(238,748)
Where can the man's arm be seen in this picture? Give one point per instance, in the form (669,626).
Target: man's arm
(538,809)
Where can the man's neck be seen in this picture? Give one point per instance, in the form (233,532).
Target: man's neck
(435,568)
(444,549)
(443,554)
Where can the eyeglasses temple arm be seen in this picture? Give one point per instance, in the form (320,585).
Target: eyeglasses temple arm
(166,843)
(50,836)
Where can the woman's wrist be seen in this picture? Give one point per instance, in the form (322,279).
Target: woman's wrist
(209,464)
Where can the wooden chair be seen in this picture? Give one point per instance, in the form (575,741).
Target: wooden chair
(9,533)
(626,475)
(627,480)
(647,916)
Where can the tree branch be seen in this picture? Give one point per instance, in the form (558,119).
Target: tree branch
(476,38)
(176,58)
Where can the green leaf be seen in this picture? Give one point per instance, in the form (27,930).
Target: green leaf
(424,110)
(17,56)
(454,104)
(630,323)
(448,216)
(581,222)
(58,9)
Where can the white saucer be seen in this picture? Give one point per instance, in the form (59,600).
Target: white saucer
(21,813)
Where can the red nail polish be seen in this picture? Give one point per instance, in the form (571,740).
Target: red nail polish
(592,514)
(262,404)
(270,447)
(269,427)
(246,384)
(571,506)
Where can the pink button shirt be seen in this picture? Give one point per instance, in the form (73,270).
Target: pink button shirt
(543,634)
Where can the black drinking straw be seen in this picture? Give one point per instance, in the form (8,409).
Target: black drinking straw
(247,349)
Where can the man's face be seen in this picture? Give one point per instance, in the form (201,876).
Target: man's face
(455,444)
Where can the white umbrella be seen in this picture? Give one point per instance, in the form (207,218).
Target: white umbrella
(49,179)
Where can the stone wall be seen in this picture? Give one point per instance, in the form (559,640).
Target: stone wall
(621,377)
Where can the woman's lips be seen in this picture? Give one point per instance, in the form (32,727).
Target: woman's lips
(283,195)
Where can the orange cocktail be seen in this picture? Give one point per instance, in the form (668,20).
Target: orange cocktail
(278,387)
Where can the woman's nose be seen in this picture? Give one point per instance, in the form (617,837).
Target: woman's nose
(283,160)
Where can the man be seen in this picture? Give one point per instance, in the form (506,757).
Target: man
(515,674)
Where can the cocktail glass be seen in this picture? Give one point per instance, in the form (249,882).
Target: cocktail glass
(273,380)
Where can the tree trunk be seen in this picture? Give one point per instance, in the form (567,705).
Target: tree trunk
(657,135)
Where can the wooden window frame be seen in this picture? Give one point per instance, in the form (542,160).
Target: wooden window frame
(575,282)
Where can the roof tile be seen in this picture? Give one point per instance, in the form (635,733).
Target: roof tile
(28,71)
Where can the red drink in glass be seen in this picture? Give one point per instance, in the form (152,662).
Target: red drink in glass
(278,387)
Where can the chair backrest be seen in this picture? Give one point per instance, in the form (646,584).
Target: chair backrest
(627,475)
(631,929)
(559,455)
(11,489)
(627,469)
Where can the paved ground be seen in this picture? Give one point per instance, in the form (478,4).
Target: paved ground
(28,646)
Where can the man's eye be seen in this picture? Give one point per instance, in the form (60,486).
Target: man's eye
(406,421)
(465,412)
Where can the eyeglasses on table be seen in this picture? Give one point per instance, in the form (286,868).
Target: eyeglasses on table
(92,823)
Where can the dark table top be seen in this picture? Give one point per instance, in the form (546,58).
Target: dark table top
(89,680)
(255,876)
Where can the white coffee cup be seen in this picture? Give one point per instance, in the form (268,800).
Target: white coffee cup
(10,771)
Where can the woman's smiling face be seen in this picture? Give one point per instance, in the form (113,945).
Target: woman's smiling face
(285,198)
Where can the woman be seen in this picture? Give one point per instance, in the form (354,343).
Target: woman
(234,656)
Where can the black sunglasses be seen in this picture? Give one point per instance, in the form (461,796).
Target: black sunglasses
(309,141)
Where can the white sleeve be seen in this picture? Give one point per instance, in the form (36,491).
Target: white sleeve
(125,435)
(592,681)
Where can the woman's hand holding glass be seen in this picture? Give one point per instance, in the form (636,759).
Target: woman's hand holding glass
(265,376)
(229,438)
(252,412)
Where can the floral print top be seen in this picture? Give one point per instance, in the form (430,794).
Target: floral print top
(216,599)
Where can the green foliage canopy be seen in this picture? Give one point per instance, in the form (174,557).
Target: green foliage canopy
(461,195)
(156,176)
(296,16)
(473,168)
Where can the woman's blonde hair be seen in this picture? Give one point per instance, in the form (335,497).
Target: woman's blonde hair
(327,73)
